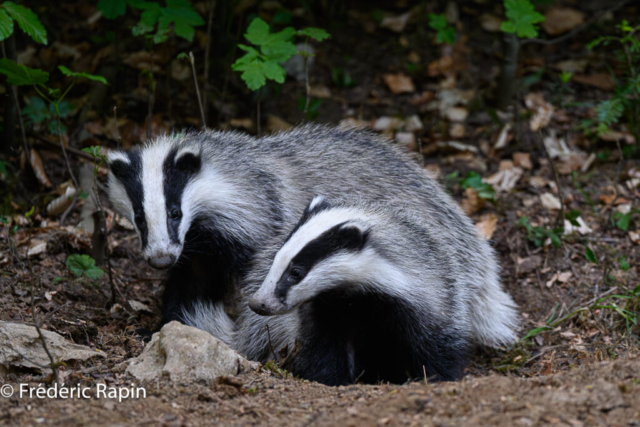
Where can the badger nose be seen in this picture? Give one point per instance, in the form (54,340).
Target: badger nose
(161,261)
(259,307)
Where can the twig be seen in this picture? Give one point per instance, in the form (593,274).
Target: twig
(424,370)
(305,55)
(575,30)
(14,95)
(270,345)
(258,116)
(73,177)
(617,181)
(71,150)
(53,364)
(207,52)
(192,61)
(115,118)
(560,218)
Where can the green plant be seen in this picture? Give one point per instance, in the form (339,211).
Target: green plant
(445,33)
(26,20)
(38,113)
(84,264)
(342,78)
(629,312)
(626,100)
(312,110)
(537,235)
(155,17)
(522,18)
(622,221)
(565,77)
(98,158)
(263,60)
(474,180)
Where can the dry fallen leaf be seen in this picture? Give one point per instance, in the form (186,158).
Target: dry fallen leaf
(503,138)
(542,111)
(560,20)
(408,139)
(506,179)
(399,83)
(276,124)
(600,80)
(490,22)
(180,70)
(396,23)
(523,160)
(572,65)
(635,237)
(456,130)
(487,225)
(60,204)
(457,114)
(582,229)
(36,247)
(38,169)
(550,201)
(320,91)
(471,202)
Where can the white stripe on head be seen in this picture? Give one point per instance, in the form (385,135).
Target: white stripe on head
(316,201)
(113,155)
(310,230)
(117,192)
(155,209)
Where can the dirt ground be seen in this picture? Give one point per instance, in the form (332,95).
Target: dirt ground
(582,369)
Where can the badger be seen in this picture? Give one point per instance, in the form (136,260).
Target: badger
(372,291)
(205,203)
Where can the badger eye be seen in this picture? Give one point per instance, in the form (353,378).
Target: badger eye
(175,214)
(295,273)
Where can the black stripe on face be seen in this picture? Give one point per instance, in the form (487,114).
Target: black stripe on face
(309,213)
(176,176)
(338,238)
(130,175)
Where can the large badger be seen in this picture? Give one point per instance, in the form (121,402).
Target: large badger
(373,291)
(204,203)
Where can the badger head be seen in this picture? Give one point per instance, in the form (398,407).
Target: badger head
(151,187)
(328,248)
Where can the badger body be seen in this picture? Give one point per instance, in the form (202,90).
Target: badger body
(204,204)
(373,291)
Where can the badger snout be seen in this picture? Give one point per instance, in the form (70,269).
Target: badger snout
(161,261)
(259,307)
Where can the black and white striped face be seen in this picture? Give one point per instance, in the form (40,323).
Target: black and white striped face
(327,248)
(154,188)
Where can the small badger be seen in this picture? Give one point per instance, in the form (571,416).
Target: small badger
(375,292)
(204,204)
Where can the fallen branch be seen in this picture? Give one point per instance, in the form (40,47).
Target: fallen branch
(54,364)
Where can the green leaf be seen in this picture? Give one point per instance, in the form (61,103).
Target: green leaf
(183,17)
(94,273)
(79,75)
(438,22)
(622,220)
(79,264)
(36,110)
(588,253)
(533,332)
(257,32)
(522,18)
(111,9)
(6,25)
(27,21)
(624,264)
(445,33)
(21,75)
(610,111)
(315,33)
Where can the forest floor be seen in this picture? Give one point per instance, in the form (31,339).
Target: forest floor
(579,360)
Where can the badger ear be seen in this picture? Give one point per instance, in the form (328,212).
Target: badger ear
(353,237)
(118,162)
(188,163)
(319,203)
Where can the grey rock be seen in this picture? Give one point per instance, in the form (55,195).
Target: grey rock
(21,348)
(186,354)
